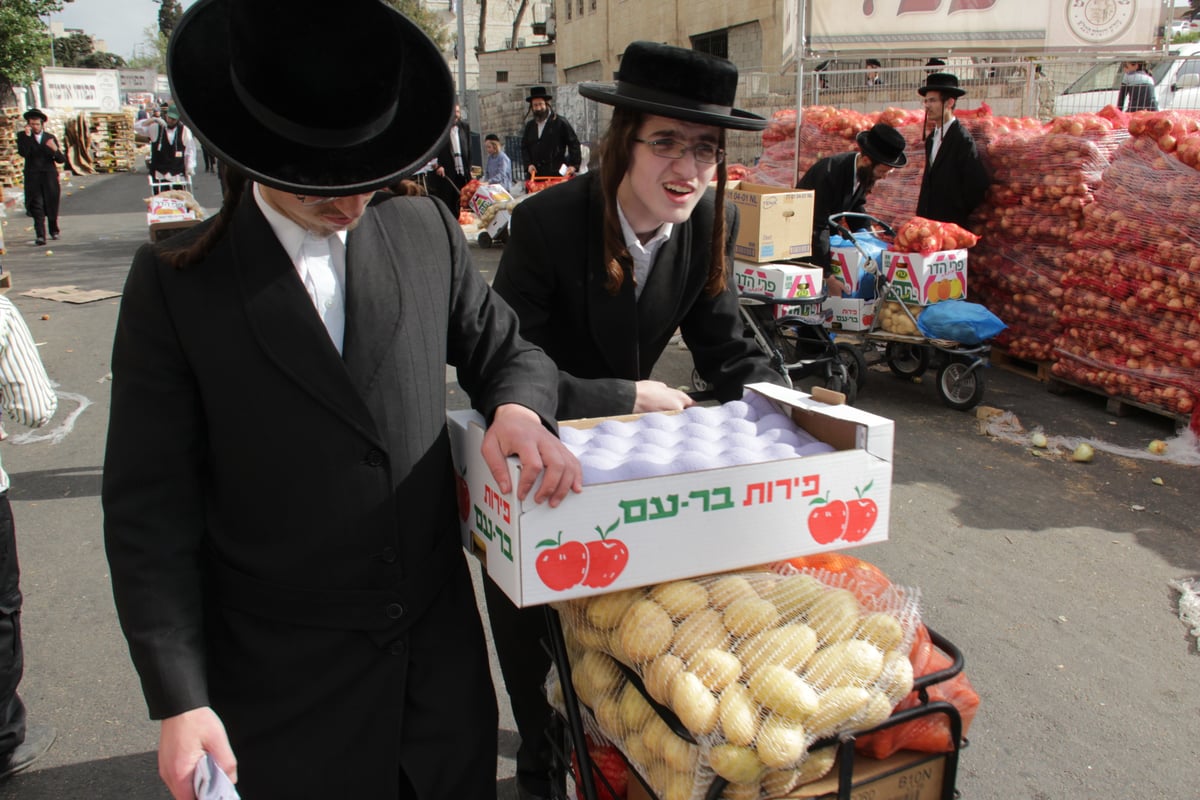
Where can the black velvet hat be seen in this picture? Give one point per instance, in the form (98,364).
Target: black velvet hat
(316,98)
(35,113)
(539,92)
(942,82)
(884,144)
(678,83)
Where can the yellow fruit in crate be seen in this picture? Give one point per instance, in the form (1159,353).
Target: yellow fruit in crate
(784,692)
(633,708)
(735,763)
(838,706)
(896,677)
(816,766)
(726,589)
(606,610)
(849,663)
(646,631)
(658,676)
(700,631)
(780,742)
(793,594)
(747,616)
(694,704)
(679,754)
(595,675)
(716,669)
(833,615)
(880,629)
(788,646)
(738,715)
(680,598)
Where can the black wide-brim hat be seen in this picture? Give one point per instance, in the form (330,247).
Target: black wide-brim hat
(884,144)
(677,83)
(942,82)
(329,99)
(35,113)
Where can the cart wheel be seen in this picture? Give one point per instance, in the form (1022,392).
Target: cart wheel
(960,389)
(698,383)
(854,361)
(484,240)
(839,381)
(907,360)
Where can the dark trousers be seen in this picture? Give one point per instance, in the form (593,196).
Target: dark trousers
(524,664)
(41,201)
(12,657)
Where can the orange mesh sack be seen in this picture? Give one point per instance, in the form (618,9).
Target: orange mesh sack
(929,734)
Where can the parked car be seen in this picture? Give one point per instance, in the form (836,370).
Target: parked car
(1176,82)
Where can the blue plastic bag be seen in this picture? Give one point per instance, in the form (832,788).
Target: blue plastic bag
(873,246)
(959,321)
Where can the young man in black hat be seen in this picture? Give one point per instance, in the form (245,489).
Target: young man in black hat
(280,512)
(454,160)
(42,156)
(955,180)
(841,183)
(603,269)
(548,142)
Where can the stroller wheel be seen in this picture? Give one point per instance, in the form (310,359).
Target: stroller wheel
(840,381)
(855,363)
(907,360)
(484,240)
(960,387)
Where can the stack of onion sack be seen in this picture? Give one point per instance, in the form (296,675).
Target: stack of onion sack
(1131,304)
(756,666)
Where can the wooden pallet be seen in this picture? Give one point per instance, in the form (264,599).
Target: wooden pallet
(1034,370)
(1117,406)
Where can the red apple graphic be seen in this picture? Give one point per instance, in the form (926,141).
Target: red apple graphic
(827,521)
(606,559)
(464,496)
(564,565)
(862,515)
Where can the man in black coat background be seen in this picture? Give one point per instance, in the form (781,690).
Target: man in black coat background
(42,156)
(454,161)
(955,179)
(548,142)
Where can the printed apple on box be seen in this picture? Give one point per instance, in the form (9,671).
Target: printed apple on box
(629,533)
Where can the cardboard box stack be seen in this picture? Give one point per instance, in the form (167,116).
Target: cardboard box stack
(776,223)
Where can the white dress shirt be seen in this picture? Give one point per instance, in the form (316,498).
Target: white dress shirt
(938,135)
(642,254)
(320,263)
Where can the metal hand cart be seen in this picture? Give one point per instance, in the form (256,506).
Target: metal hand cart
(159,186)
(960,381)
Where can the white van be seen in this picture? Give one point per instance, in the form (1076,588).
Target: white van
(1176,82)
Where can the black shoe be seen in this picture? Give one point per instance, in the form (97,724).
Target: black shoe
(38,739)
(39,240)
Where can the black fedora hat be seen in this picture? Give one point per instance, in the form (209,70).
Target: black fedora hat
(884,144)
(35,113)
(539,92)
(315,98)
(942,82)
(678,83)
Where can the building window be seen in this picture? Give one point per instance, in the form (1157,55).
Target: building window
(580,9)
(569,3)
(502,76)
(593,5)
(715,43)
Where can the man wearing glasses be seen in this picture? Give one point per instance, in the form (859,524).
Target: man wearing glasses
(604,268)
(280,513)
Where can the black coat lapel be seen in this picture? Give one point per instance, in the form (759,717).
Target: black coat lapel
(608,314)
(373,300)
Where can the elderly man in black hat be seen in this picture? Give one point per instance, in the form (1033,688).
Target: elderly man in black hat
(548,143)
(279,501)
(602,271)
(42,156)
(842,182)
(955,180)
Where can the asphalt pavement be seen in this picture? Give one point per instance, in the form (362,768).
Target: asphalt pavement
(1051,576)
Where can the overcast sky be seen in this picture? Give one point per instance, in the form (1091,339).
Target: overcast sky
(120,23)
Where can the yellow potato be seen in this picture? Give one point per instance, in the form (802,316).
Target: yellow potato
(608,717)
(793,594)
(779,782)
(880,629)
(747,616)
(848,663)
(788,645)
(606,610)
(676,786)
(726,589)
(646,631)
(784,692)
(734,763)
(595,675)
(816,766)
(655,734)
(636,750)
(694,704)
(680,755)
(740,791)
(834,615)
(680,598)
(658,676)
(716,669)
(780,742)
(839,705)
(738,715)
(588,638)
(896,678)
(634,709)
(879,708)
(699,631)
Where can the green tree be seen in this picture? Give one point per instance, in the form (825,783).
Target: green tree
(152,54)
(169,12)
(69,51)
(425,19)
(24,41)
(102,60)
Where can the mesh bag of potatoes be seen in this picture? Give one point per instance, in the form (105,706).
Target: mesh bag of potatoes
(756,666)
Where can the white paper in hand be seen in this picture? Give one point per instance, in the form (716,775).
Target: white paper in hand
(211,782)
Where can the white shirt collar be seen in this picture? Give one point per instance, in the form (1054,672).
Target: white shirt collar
(642,254)
(289,234)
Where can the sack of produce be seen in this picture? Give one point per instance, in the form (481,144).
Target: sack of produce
(893,319)
(959,321)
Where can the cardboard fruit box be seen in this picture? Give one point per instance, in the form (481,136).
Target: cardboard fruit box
(784,281)
(632,533)
(927,279)
(851,314)
(776,222)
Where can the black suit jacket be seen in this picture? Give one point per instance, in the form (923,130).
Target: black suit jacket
(445,156)
(552,273)
(832,182)
(557,145)
(281,520)
(38,157)
(955,184)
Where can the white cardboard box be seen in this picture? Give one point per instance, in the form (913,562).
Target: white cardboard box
(776,222)
(677,526)
(851,314)
(847,263)
(925,280)
(780,280)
